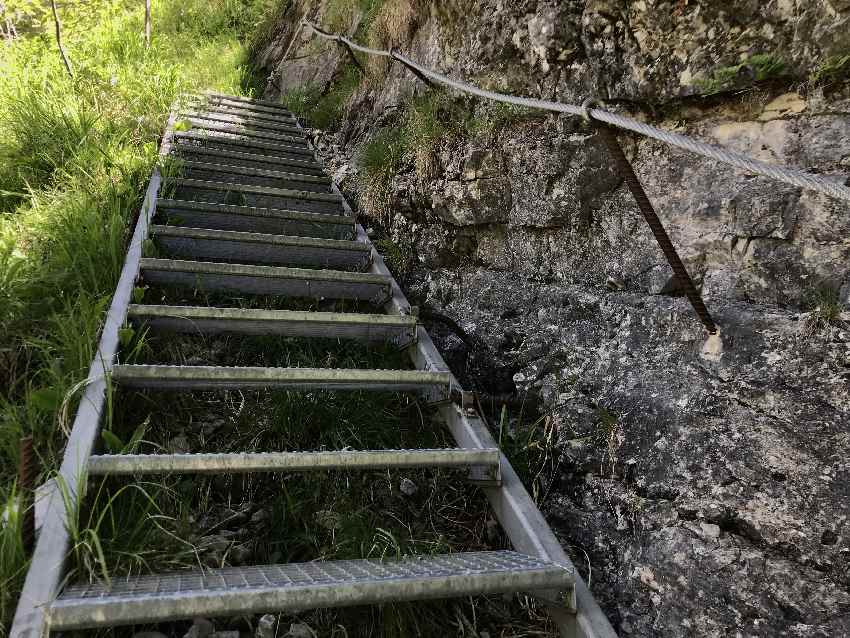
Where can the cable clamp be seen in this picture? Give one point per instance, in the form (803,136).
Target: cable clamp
(589,103)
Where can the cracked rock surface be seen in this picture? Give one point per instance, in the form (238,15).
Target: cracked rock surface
(705,484)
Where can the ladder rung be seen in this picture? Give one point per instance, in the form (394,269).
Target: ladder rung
(246,218)
(268,280)
(240,591)
(259,248)
(225,106)
(213,377)
(117,464)
(397,329)
(245,131)
(243,120)
(223,139)
(256,172)
(259,190)
(252,176)
(276,106)
(260,196)
(259,161)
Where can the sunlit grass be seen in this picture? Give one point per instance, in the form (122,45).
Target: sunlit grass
(75,157)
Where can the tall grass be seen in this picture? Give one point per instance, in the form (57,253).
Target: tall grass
(75,156)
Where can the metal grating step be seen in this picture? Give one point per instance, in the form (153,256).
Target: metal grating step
(122,464)
(221,172)
(274,106)
(267,280)
(215,140)
(203,124)
(250,160)
(239,591)
(257,196)
(397,329)
(258,248)
(262,196)
(245,120)
(237,108)
(168,377)
(245,218)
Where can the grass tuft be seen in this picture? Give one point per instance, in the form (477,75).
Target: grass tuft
(823,302)
(380,159)
(833,70)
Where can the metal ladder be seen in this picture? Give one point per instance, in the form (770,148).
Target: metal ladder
(289,233)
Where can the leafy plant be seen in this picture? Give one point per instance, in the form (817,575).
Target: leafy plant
(832,70)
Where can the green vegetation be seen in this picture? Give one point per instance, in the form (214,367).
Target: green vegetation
(340,14)
(824,305)
(756,68)
(326,110)
(833,70)
(426,122)
(380,159)
(75,157)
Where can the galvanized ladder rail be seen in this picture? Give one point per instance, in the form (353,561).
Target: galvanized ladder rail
(308,234)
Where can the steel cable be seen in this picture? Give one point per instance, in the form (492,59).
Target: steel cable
(833,186)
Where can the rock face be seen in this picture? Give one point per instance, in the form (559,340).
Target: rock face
(706,485)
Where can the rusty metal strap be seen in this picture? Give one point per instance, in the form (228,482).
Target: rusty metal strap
(625,169)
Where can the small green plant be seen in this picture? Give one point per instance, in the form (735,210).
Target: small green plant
(530,447)
(756,68)
(833,70)
(397,258)
(824,305)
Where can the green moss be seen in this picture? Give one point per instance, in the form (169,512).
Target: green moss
(756,68)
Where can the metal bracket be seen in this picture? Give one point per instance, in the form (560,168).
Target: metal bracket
(559,599)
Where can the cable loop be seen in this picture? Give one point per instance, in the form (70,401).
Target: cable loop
(587,105)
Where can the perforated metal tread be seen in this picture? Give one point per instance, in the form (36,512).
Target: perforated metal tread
(275,107)
(246,158)
(230,139)
(297,586)
(274,221)
(398,329)
(267,280)
(241,194)
(223,167)
(243,110)
(204,124)
(244,120)
(262,190)
(211,377)
(261,248)
(243,462)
